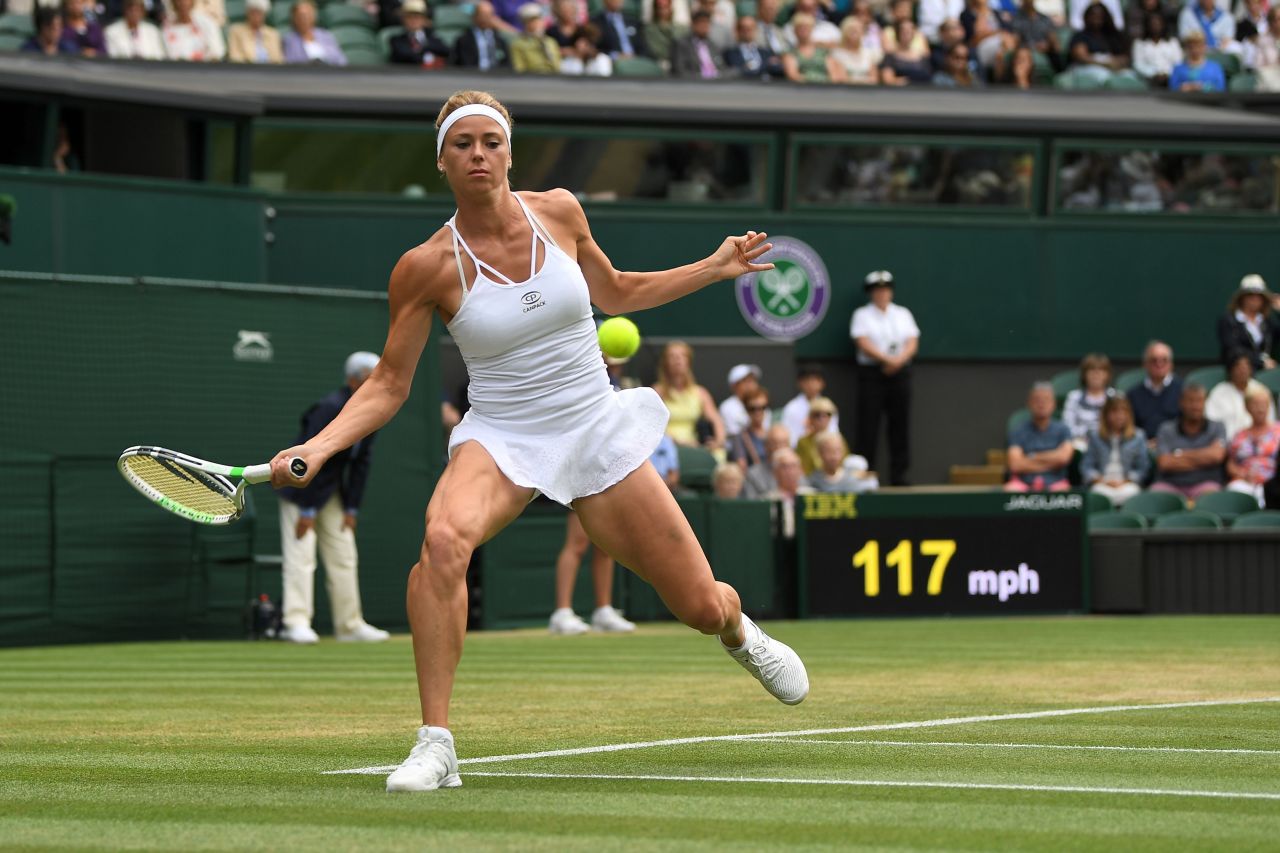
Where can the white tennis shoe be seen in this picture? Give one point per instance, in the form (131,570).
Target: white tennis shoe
(302,634)
(364,633)
(567,623)
(773,664)
(610,621)
(432,764)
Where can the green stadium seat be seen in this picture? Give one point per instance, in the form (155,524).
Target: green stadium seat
(1116,520)
(1263,518)
(1130,379)
(1206,376)
(449,35)
(1127,82)
(1242,83)
(345,15)
(1097,502)
(363,55)
(385,35)
(1189,519)
(637,66)
(451,17)
(1065,382)
(1230,62)
(11,41)
(746,7)
(1069,79)
(1270,378)
(1227,505)
(279,16)
(235,10)
(696,467)
(1149,505)
(1016,418)
(356,37)
(16,23)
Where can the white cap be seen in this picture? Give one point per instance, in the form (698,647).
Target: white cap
(260,5)
(411,7)
(361,362)
(1254,283)
(739,372)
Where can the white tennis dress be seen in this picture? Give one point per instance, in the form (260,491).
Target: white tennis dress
(541,402)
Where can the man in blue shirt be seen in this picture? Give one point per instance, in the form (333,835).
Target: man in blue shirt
(1040,448)
(1156,399)
(1197,73)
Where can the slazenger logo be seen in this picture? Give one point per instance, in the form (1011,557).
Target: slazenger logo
(533,299)
(1043,502)
(790,300)
(253,346)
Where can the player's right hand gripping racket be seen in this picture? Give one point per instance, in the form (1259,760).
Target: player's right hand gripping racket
(193,488)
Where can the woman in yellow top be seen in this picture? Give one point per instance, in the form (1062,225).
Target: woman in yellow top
(534,52)
(687,401)
(821,411)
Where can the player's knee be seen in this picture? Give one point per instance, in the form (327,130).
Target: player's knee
(447,547)
(705,614)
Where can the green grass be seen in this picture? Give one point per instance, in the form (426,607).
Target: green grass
(217,746)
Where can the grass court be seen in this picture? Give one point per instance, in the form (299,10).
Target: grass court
(231,746)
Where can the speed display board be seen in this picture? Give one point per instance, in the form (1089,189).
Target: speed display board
(941,553)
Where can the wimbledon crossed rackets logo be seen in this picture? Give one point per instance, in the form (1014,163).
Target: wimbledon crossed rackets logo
(790,300)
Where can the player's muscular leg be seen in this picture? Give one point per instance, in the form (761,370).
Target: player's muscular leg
(640,524)
(471,503)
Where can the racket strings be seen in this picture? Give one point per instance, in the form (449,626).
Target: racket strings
(182,486)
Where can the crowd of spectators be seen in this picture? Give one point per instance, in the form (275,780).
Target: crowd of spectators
(947,43)
(1163,434)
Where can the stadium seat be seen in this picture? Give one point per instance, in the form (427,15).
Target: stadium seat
(1069,79)
(1016,418)
(1270,378)
(1242,83)
(746,7)
(279,16)
(16,23)
(696,467)
(1268,518)
(385,35)
(1227,505)
(1130,379)
(345,15)
(1188,519)
(356,37)
(1125,81)
(449,35)
(235,10)
(1065,382)
(637,66)
(1206,376)
(1230,62)
(363,55)
(1152,504)
(11,41)
(1097,502)
(449,17)
(1116,520)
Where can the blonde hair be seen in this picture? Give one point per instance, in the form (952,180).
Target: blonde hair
(803,18)
(1117,402)
(1258,390)
(663,385)
(472,96)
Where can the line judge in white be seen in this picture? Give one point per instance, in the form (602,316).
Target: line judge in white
(887,338)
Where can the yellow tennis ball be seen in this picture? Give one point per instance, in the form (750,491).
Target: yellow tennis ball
(619,337)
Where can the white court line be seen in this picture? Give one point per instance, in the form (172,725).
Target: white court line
(1026,746)
(875,727)
(884,783)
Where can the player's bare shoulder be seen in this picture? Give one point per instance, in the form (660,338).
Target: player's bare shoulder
(560,210)
(422,275)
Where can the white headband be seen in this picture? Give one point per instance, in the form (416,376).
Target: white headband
(471,110)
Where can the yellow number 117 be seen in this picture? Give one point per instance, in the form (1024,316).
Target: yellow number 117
(868,559)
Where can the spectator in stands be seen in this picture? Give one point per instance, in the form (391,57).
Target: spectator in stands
(679,12)
(1251,459)
(1039,448)
(807,62)
(1157,52)
(693,56)
(586,59)
(795,414)
(133,36)
(1034,29)
(744,382)
(932,14)
(418,45)
(769,34)
(307,43)
(666,461)
(695,421)
(1216,27)
(80,34)
(950,34)
(1251,322)
(48,34)
(1266,58)
(253,41)
(860,64)
(837,471)
(724,19)
(193,36)
(506,15)
(821,412)
(887,338)
(727,481)
(620,37)
(1197,72)
(661,31)
(215,9)
(564,24)
(1190,449)
(872,32)
(789,483)
(1116,461)
(1021,73)
(747,446)
(958,74)
(750,59)
(1226,403)
(534,52)
(1083,406)
(1137,12)
(480,46)
(1100,50)
(899,10)
(760,480)
(987,38)
(905,65)
(822,32)
(1080,13)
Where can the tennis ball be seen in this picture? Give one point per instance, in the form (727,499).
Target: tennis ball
(619,337)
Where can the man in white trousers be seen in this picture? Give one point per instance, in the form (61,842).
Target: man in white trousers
(324,514)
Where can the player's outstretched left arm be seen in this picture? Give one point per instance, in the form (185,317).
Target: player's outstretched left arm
(615,292)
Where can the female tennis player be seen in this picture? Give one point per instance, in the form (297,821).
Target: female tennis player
(513,277)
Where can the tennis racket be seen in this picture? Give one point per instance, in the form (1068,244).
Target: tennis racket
(193,488)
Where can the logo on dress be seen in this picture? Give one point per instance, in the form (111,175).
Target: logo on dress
(790,300)
(533,299)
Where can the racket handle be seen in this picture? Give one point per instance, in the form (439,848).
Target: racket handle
(262,473)
(298,467)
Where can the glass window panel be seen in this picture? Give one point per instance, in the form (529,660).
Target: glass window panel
(914,175)
(1140,180)
(389,160)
